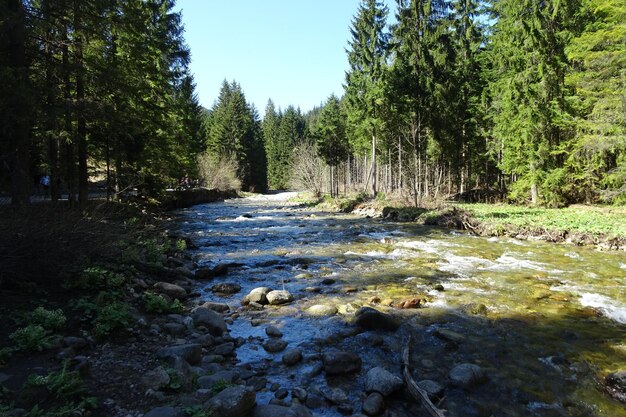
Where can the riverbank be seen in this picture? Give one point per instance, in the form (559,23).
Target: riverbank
(580,225)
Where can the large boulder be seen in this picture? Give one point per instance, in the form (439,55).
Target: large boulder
(337,362)
(467,375)
(191,352)
(372,319)
(237,401)
(292,357)
(381,380)
(278,297)
(171,290)
(213,321)
(210,273)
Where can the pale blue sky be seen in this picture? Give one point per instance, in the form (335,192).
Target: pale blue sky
(292,51)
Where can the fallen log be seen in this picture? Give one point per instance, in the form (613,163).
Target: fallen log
(417,393)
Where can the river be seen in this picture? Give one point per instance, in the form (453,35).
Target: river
(546,322)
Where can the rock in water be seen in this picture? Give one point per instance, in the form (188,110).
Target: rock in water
(274,345)
(372,319)
(172,290)
(432,388)
(616,385)
(467,375)
(234,401)
(373,404)
(213,321)
(337,362)
(226,288)
(165,412)
(278,297)
(292,357)
(273,331)
(381,380)
(322,310)
(257,295)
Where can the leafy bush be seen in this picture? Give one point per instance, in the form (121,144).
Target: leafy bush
(32,337)
(156,303)
(63,387)
(111,317)
(5,355)
(221,385)
(219,173)
(96,278)
(53,320)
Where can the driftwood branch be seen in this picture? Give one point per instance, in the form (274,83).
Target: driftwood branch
(417,393)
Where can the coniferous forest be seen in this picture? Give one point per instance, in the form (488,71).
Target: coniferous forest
(522,97)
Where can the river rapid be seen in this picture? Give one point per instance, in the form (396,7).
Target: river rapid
(545,322)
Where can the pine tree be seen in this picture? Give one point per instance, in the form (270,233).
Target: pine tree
(270,128)
(597,160)
(332,142)
(529,113)
(364,87)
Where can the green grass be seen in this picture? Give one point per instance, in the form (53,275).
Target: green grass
(575,219)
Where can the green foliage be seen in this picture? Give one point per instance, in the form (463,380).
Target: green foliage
(32,338)
(110,318)
(180,245)
(608,221)
(156,303)
(96,278)
(221,385)
(53,320)
(198,411)
(65,389)
(5,355)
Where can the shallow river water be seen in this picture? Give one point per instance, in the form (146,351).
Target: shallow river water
(547,322)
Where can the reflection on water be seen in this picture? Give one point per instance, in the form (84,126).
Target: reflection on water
(546,321)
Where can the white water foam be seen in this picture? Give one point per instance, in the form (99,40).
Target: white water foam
(507,262)
(609,307)
(622,266)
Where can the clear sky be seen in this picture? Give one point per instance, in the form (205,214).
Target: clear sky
(292,51)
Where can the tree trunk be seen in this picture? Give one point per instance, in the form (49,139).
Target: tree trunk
(374,189)
(81,128)
(19,125)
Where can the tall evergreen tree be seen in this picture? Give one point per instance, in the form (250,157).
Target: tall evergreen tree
(364,87)
(270,129)
(597,159)
(332,142)
(529,113)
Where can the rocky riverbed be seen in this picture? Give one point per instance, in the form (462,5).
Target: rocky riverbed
(293,312)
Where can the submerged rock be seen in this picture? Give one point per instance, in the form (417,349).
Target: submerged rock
(372,319)
(273,331)
(467,375)
(226,288)
(292,357)
(432,388)
(278,297)
(337,362)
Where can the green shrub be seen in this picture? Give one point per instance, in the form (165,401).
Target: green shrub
(97,278)
(221,385)
(156,303)
(65,389)
(109,318)
(32,337)
(5,355)
(180,245)
(53,320)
